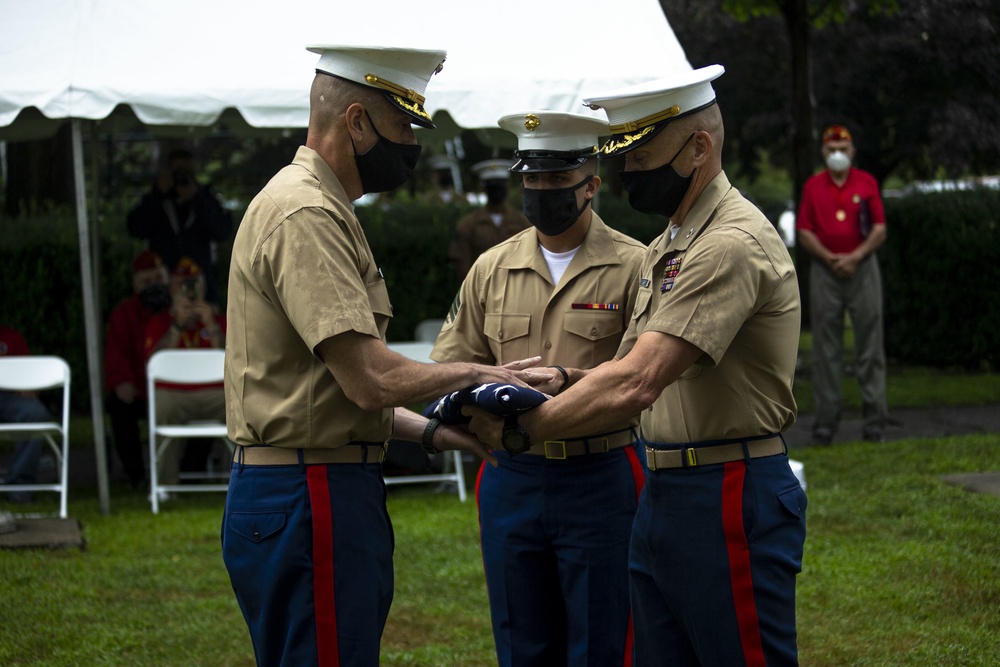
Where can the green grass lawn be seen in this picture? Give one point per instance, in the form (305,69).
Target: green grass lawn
(900,569)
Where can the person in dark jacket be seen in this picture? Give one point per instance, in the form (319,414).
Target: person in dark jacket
(180,218)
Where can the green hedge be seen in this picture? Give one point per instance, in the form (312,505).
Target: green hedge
(941,267)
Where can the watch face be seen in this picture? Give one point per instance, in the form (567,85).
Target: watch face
(515,440)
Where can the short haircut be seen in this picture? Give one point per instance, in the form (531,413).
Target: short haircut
(330,96)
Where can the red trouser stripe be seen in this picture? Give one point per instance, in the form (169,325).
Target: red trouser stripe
(324,601)
(639,475)
(739,563)
(638,471)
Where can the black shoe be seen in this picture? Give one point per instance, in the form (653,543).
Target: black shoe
(874,436)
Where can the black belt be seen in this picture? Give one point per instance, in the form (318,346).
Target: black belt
(598,444)
(355,452)
(701,455)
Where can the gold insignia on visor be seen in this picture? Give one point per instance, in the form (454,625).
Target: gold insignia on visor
(408,93)
(633,125)
(531,121)
(612,145)
(411,106)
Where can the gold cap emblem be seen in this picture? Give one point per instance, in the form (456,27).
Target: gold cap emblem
(531,121)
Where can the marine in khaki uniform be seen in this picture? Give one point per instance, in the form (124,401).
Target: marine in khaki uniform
(310,384)
(708,363)
(555,520)
(488,225)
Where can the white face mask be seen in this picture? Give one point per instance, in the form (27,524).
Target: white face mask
(838,161)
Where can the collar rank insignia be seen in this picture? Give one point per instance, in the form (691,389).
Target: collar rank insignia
(644,282)
(669,274)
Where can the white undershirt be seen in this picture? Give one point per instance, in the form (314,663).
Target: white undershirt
(673,231)
(497,218)
(558,261)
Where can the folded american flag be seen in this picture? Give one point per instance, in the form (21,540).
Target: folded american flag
(496,398)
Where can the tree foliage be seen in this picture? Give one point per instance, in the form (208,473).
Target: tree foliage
(914,82)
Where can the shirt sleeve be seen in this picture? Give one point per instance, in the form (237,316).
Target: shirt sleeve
(316,263)
(875,207)
(714,293)
(463,337)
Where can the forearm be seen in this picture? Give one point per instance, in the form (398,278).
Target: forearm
(375,377)
(614,391)
(408,425)
(406,382)
(595,402)
(874,241)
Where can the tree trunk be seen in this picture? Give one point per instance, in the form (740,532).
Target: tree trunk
(796,13)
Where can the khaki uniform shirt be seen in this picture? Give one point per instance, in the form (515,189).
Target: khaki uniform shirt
(727,285)
(508,308)
(301,272)
(476,233)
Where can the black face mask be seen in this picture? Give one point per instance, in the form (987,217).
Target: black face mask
(155,297)
(386,165)
(553,211)
(659,190)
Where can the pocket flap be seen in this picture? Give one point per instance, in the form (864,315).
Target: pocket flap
(794,500)
(378,298)
(256,526)
(593,325)
(503,327)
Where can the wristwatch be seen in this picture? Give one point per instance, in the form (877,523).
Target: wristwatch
(513,437)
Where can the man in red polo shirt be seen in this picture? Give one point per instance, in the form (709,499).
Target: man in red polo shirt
(841,223)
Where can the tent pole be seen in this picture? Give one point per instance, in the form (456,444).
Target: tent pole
(90,320)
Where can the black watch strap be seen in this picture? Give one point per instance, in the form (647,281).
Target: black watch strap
(427,440)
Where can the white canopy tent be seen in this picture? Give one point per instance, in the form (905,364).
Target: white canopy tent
(187,63)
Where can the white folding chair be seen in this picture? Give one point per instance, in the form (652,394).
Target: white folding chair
(799,470)
(181,367)
(453,471)
(38,373)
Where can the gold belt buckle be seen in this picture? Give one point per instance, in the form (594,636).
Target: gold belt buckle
(650,458)
(557,443)
(607,444)
(690,457)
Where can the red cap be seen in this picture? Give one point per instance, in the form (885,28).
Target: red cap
(836,133)
(187,268)
(146,260)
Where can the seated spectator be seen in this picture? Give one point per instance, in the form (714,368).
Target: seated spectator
(21,407)
(190,322)
(125,359)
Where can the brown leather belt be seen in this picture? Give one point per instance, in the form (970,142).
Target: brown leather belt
(283,456)
(562,449)
(689,457)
